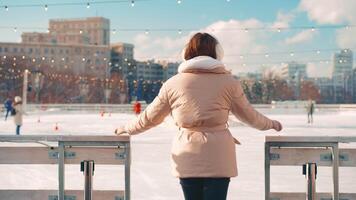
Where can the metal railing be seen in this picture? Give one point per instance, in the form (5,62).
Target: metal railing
(103,150)
(311,152)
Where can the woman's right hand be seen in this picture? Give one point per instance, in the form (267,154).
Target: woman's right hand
(277,125)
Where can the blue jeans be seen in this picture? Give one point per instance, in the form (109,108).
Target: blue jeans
(7,113)
(205,188)
(18,129)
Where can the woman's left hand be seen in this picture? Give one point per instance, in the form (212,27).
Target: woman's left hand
(120,131)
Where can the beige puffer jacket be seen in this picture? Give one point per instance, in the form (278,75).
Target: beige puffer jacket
(200,98)
(19,112)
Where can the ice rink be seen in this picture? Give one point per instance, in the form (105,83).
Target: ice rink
(151,178)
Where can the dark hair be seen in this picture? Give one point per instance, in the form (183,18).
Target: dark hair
(201,44)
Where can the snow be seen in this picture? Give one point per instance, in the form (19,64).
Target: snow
(151,178)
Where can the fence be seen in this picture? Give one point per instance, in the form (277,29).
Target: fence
(108,150)
(310,151)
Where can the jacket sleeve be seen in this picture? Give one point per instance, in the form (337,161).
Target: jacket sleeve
(242,109)
(153,115)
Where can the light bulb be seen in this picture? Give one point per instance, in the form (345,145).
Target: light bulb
(179,1)
(88,5)
(15,29)
(179,31)
(246,30)
(80,32)
(6,8)
(114,31)
(132,3)
(46,7)
(147,32)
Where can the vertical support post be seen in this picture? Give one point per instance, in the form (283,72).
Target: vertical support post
(24,90)
(267,171)
(335,160)
(127,170)
(61,149)
(87,167)
(310,170)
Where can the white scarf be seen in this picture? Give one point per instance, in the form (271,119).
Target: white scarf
(200,62)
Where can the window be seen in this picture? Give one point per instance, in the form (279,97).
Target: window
(46,50)
(6,49)
(14,50)
(30,50)
(0,49)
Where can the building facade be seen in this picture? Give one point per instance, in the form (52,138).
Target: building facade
(342,76)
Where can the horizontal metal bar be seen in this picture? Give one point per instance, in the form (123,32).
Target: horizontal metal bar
(321,156)
(64,138)
(52,194)
(302,196)
(73,155)
(316,139)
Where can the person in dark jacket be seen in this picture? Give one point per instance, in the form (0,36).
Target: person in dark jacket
(8,107)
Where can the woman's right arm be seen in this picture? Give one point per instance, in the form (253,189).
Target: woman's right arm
(242,109)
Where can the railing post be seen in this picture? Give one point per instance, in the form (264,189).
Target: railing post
(87,167)
(310,171)
(267,171)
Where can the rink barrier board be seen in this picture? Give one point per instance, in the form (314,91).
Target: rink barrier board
(302,196)
(52,194)
(277,144)
(69,147)
(320,156)
(73,155)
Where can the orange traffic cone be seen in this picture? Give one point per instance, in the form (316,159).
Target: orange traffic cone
(56,127)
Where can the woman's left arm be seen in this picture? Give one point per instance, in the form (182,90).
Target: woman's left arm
(152,116)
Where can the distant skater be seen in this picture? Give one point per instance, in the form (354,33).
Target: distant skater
(199,99)
(8,107)
(137,108)
(17,114)
(310,111)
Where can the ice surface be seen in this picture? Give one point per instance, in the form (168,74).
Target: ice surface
(151,178)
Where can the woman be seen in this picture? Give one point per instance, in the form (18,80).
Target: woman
(18,114)
(200,98)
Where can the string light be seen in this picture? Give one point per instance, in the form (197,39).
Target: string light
(147,32)
(46,8)
(6,8)
(80,32)
(114,31)
(179,1)
(180,32)
(132,3)
(88,5)
(15,29)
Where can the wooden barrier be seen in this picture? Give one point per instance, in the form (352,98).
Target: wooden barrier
(108,150)
(297,151)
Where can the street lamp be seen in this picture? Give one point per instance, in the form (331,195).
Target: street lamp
(37,80)
(83,90)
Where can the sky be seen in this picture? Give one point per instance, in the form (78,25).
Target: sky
(245,51)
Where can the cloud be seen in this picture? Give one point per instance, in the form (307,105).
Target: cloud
(283,20)
(329,11)
(334,12)
(234,42)
(303,36)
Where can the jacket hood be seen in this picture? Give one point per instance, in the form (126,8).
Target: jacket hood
(202,64)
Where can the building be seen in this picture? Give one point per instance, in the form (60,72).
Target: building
(326,89)
(342,76)
(295,74)
(295,71)
(78,46)
(169,69)
(86,31)
(75,59)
